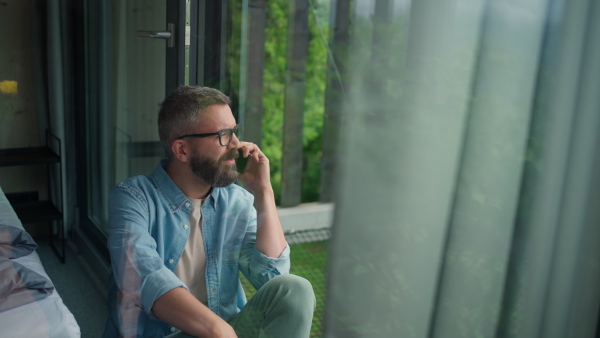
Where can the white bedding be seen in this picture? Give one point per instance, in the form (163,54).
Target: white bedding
(48,317)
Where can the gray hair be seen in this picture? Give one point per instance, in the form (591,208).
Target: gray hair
(181,109)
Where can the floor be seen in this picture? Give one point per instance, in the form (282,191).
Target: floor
(76,288)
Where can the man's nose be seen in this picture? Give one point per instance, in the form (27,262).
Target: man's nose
(235,142)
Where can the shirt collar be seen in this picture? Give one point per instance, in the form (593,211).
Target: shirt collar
(171,191)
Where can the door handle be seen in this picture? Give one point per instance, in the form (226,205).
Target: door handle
(168,35)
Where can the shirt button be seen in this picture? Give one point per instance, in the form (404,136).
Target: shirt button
(171,261)
(187,204)
(173,329)
(174,207)
(185,226)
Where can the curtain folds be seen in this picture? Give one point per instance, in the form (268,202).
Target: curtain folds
(469,172)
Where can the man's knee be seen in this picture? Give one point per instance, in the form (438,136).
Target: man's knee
(298,289)
(294,283)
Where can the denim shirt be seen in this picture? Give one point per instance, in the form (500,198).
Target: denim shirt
(148,230)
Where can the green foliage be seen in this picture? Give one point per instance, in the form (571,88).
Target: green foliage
(274,89)
(314,102)
(273,101)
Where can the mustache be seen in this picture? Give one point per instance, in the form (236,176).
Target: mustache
(232,154)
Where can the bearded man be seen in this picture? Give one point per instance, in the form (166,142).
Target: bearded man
(179,236)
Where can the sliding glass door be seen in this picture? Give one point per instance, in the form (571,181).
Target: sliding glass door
(136,51)
(126,77)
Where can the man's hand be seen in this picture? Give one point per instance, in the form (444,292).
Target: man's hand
(257,177)
(223,331)
(178,307)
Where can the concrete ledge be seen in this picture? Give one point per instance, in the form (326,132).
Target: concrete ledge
(306,217)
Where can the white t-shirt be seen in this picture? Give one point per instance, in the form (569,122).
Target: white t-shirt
(191,268)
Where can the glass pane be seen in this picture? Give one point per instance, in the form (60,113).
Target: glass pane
(255,61)
(258,59)
(123,137)
(18,117)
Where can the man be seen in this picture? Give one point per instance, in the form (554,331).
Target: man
(179,237)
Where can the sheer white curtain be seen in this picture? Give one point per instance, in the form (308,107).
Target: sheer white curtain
(465,200)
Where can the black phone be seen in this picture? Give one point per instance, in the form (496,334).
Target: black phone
(241,162)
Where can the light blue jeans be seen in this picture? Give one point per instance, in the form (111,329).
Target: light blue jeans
(283,307)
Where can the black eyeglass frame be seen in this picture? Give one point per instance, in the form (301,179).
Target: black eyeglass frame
(222,132)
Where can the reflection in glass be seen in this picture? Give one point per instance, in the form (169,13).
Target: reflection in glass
(129,76)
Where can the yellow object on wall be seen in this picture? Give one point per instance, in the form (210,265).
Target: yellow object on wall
(9,87)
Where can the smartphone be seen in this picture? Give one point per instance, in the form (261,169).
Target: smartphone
(241,162)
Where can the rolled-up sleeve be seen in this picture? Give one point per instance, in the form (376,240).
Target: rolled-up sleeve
(257,267)
(262,265)
(138,269)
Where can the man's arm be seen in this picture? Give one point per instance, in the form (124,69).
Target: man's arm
(140,273)
(257,179)
(269,234)
(181,309)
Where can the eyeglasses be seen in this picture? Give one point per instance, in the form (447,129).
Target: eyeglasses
(225,135)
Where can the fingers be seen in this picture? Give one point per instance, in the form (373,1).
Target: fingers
(256,154)
(250,149)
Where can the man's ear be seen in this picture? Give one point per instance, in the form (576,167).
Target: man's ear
(180,150)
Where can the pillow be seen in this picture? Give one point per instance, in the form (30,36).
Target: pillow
(15,242)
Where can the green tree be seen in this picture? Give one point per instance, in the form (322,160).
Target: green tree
(314,101)
(274,88)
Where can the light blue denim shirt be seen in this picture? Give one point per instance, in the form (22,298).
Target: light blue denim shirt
(148,230)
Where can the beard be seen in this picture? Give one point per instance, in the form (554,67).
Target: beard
(216,174)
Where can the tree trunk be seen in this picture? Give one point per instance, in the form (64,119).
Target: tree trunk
(295,83)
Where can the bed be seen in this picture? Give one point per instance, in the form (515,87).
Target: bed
(30,306)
